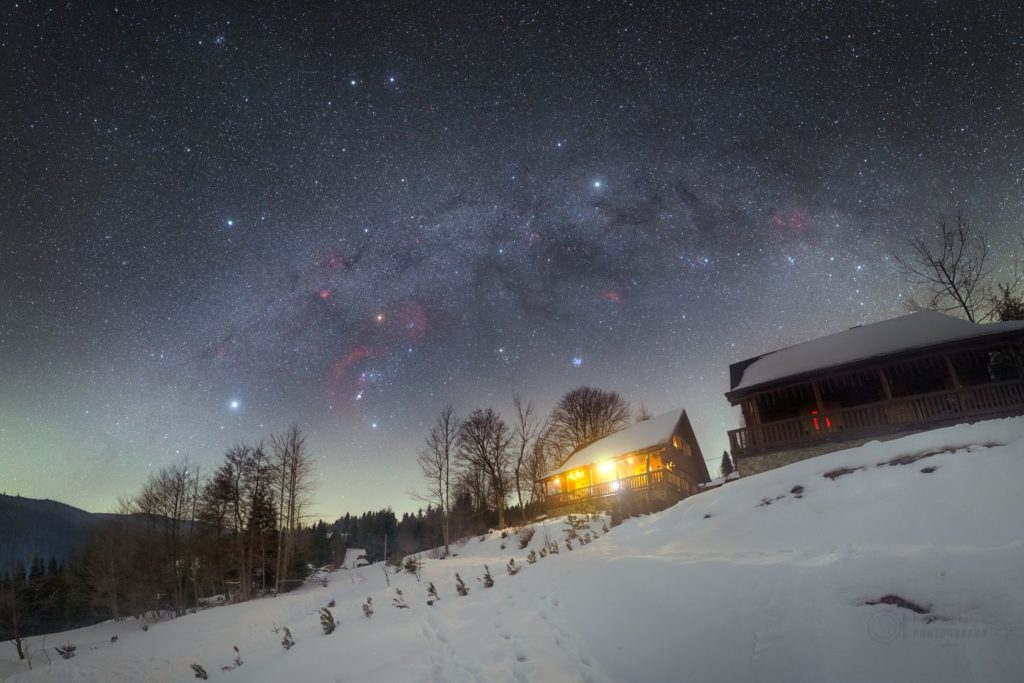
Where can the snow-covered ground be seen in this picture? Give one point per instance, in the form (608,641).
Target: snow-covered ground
(756,581)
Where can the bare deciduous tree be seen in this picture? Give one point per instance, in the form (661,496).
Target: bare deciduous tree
(292,470)
(525,431)
(581,417)
(952,269)
(483,444)
(167,502)
(435,461)
(241,487)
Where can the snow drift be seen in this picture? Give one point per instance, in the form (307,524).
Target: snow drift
(893,561)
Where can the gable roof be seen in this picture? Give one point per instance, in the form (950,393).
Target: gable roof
(652,432)
(914,331)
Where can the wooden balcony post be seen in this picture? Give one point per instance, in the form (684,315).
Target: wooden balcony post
(886,389)
(952,372)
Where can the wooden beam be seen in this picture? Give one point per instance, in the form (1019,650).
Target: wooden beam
(817,398)
(886,389)
(952,372)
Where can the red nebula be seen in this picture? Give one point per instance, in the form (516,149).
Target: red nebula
(324,294)
(335,261)
(339,368)
(612,295)
(794,221)
(341,383)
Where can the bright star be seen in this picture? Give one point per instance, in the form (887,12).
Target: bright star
(597,184)
(234,404)
(231,222)
(352,82)
(577,361)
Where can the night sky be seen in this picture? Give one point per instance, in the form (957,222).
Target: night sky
(215,221)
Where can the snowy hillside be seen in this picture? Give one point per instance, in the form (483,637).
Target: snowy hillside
(769,578)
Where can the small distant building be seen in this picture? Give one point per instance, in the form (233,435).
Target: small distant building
(658,458)
(907,374)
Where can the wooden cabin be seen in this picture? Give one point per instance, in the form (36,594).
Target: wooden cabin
(897,376)
(658,458)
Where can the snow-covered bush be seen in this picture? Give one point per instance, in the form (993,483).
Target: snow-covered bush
(574,525)
(368,608)
(413,565)
(287,641)
(399,600)
(553,548)
(525,536)
(432,593)
(66,651)
(488,579)
(200,672)
(460,586)
(512,568)
(568,545)
(532,557)
(327,622)
(331,603)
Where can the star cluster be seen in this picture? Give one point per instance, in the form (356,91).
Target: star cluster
(218,220)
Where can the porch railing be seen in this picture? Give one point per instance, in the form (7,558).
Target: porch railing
(637,482)
(1000,399)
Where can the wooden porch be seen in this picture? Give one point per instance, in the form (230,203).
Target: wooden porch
(965,404)
(662,481)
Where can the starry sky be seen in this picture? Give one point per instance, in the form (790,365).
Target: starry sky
(219,219)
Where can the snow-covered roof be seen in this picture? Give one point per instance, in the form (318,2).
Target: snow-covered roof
(652,432)
(914,331)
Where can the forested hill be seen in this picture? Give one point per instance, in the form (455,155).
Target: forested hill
(41,528)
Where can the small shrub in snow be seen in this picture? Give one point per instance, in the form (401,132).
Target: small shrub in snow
(488,579)
(66,651)
(554,548)
(460,586)
(587,538)
(368,608)
(532,557)
(568,545)
(504,534)
(113,639)
(512,568)
(331,603)
(287,641)
(604,527)
(432,593)
(327,622)
(543,551)
(413,565)
(200,672)
(238,658)
(399,600)
(525,536)
(145,627)
(574,525)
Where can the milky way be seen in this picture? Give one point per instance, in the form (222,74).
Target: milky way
(220,220)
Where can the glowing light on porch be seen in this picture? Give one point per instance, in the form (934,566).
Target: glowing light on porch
(606,467)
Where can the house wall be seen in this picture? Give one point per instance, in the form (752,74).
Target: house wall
(756,464)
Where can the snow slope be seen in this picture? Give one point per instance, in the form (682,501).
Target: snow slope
(722,587)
